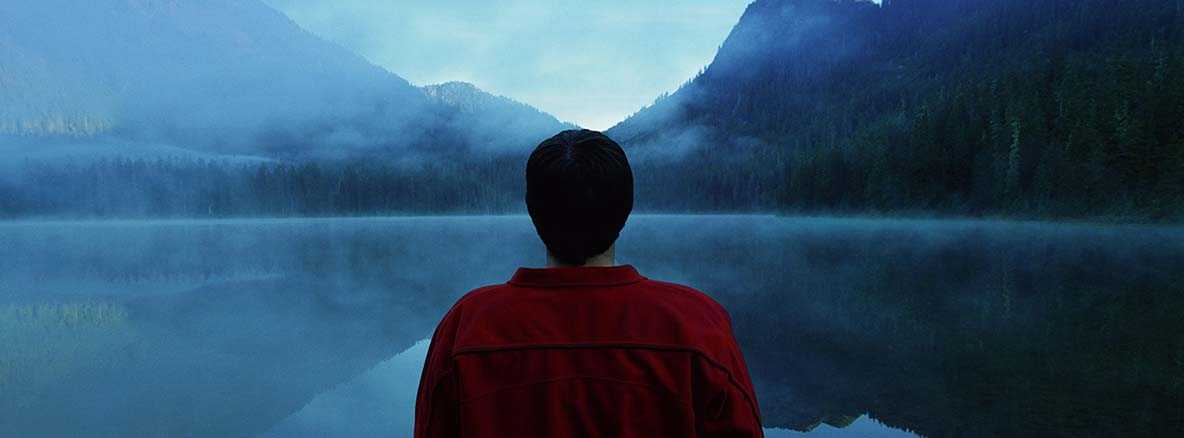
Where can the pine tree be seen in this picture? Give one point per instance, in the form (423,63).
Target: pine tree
(1014,162)
(1171,188)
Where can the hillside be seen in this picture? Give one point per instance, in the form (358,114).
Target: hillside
(135,108)
(979,107)
(494,124)
(218,76)
(1060,109)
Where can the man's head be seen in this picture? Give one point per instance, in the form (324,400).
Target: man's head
(579,192)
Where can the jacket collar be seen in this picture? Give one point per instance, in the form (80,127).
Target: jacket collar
(576,276)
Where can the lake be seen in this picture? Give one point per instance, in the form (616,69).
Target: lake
(851,327)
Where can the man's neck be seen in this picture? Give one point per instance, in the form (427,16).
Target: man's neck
(602,260)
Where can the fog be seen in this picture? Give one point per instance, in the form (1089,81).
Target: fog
(223,77)
(315,327)
(628,51)
(216,76)
(805,41)
(132,109)
(214,223)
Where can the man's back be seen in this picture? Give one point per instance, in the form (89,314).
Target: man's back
(585,351)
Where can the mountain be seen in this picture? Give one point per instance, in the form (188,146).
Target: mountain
(494,123)
(1059,108)
(788,52)
(220,108)
(219,76)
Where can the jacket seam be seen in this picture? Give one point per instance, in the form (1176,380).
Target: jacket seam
(565,285)
(431,399)
(676,288)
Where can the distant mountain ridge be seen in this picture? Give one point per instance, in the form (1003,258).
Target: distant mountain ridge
(468,98)
(492,122)
(970,107)
(220,76)
(217,73)
(228,108)
(1060,108)
(783,51)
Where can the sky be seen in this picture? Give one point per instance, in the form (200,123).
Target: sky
(591,63)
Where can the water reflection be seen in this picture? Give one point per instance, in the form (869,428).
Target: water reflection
(238,328)
(381,402)
(863,427)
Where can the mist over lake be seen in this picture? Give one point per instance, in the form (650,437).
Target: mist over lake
(298,326)
(241,218)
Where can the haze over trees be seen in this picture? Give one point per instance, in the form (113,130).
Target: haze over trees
(1059,108)
(113,109)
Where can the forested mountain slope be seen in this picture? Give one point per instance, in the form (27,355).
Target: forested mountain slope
(494,124)
(220,76)
(132,108)
(1058,108)
(980,107)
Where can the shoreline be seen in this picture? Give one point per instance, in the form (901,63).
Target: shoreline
(836,218)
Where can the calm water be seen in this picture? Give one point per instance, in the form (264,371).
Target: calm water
(851,327)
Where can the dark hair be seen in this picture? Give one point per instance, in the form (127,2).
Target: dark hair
(579,192)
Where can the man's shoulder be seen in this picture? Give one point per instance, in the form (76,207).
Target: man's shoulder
(686,297)
(482,293)
(649,312)
(693,298)
(468,299)
(681,290)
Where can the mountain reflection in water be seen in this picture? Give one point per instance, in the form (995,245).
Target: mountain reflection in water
(942,328)
(382,401)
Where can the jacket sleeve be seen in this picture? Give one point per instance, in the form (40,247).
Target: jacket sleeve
(437,408)
(725,403)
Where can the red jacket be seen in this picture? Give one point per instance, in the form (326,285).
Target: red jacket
(587,351)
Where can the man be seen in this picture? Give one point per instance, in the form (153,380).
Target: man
(584,347)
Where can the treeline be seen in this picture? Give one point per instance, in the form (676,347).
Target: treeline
(1081,113)
(133,188)
(1075,136)
(976,107)
(1056,108)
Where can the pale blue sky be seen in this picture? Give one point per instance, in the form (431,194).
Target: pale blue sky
(588,62)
